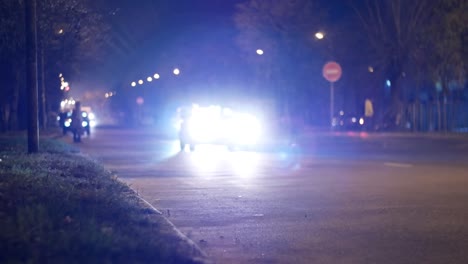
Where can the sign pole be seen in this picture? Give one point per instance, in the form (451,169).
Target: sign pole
(332,104)
(331,72)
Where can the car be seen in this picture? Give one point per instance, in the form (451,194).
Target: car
(218,125)
(348,123)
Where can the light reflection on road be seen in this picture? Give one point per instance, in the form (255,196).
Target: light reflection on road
(207,160)
(213,161)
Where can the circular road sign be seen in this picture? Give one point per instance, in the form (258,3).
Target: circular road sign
(331,71)
(140,100)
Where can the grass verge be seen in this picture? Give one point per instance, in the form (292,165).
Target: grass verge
(60,207)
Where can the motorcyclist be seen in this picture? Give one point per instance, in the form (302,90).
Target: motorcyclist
(76,125)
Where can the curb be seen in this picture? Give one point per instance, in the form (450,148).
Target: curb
(204,256)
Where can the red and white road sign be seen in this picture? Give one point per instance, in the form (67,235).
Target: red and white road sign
(331,71)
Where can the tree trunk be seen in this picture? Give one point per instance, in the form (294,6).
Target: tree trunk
(439,115)
(396,107)
(4,116)
(14,105)
(43,110)
(31,76)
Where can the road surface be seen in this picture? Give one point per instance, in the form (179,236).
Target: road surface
(334,198)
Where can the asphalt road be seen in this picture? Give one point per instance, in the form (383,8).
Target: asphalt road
(334,198)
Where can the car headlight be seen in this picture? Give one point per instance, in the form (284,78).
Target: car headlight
(203,129)
(84,124)
(244,129)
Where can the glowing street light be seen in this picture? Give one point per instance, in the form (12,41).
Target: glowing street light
(176,71)
(140,82)
(133,84)
(149,79)
(319,35)
(156,76)
(371,69)
(260,52)
(60,31)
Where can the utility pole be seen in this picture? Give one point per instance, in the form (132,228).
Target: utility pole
(31,76)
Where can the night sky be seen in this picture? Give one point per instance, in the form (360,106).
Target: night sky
(149,35)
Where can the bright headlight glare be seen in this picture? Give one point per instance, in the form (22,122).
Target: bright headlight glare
(203,129)
(244,129)
(91,116)
(216,124)
(84,123)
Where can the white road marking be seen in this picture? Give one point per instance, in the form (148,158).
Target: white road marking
(398,165)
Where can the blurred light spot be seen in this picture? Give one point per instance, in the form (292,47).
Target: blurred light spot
(140,100)
(364,135)
(140,82)
(245,164)
(149,79)
(341,113)
(133,84)
(371,69)
(260,52)
(156,76)
(176,71)
(319,35)
(388,83)
(361,121)
(207,158)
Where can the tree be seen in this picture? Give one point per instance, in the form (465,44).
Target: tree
(283,30)
(446,37)
(394,29)
(69,33)
(12,41)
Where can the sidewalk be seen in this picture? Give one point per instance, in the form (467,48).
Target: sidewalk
(320,131)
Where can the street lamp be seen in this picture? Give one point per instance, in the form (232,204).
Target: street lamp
(140,82)
(259,51)
(156,76)
(176,71)
(319,35)
(149,79)
(133,84)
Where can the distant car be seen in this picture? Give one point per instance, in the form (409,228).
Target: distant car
(218,125)
(348,123)
(87,121)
